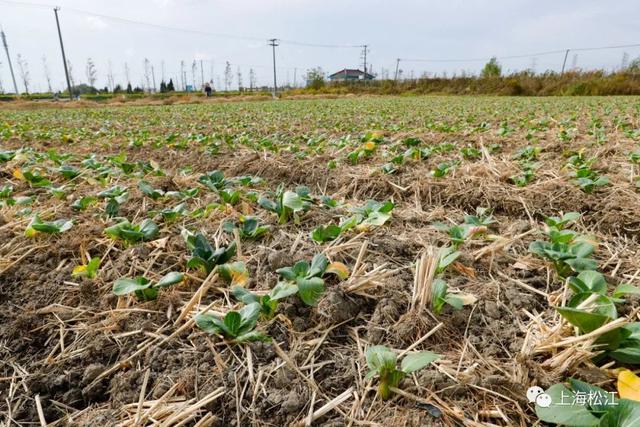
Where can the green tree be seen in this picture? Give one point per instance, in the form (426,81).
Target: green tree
(163,87)
(492,68)
(129,88)
(315,78)
(170,87)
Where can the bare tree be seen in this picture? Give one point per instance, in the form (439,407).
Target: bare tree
(624,63)
(194,68)
(239,74)
(252,79)
(126,73)
(47,73)
(228,77)
(184,83)
(91,72)
(71,79)
(110,80)
(23,66)
(147,71)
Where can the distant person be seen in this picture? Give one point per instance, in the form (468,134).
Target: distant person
(207,89)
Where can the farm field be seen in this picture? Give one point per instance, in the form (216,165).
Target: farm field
(266,263)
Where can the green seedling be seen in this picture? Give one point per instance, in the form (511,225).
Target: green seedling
(149,191)
(202,253)
(446,257)
(5,196)
(413,153)
(559,223)
(115,197)
(248,227)
(469,153)
(143,288)
(328,202)
(325,234)
(236,326)
(170,215)
(482,218)
(587,178)
(34,178)
(527,175)
(58,192)
(382,363)
(214,180)
(5,156)
(50,227)
(443,169)
(183,194)
(133,233)
(287,204)
(590,308)
(268,303)
(440,296)
(568,254)
(69,172)
(308,277)
(389,168)
(373,213)
(567,250)
(528,153)
(88,270)
(229,197)
(458,234)
(84,202)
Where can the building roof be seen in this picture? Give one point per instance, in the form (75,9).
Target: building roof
(351,73)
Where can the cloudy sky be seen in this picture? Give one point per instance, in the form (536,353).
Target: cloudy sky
(468,30)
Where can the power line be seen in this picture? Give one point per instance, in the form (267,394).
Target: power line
(528,55)
(178,29)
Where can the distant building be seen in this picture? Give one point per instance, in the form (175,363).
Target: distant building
(347,74)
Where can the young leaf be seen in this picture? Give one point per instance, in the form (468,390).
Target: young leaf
(415,361)
(244,295)
(325,234)
(169,279)
(292,201)
(126,286)
(310,290)
(232,322)
(379,356)
(282,290)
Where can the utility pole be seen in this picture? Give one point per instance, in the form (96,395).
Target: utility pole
(295,77)
(565,61)
(397,68)
(6,49)
(273,43)
(201,73)
(64,57)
